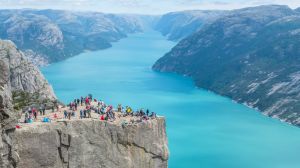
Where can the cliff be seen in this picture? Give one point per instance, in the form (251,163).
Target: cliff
(250,55)
(92,144)
(76,143)
(17,76)
(8,118)
(23,75)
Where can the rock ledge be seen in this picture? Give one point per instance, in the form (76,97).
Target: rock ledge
(92,144)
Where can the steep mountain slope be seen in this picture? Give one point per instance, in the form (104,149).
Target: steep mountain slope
(250,55)
(16,75)
(7,117)
(177,25)
(51,35)
(23,75)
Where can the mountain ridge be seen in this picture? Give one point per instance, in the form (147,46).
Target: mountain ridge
(249,55)
(48,36)
(177,25)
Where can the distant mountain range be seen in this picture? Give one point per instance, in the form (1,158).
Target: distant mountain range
(251,55)
(47,36)
(177,25)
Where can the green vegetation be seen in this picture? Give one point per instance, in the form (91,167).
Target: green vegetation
(23,99)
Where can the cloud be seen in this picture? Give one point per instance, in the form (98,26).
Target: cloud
(140,6)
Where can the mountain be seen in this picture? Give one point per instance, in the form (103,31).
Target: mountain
(47,36)
(23,75)
(18,77)
(250,55)
(177,25)
(26,83)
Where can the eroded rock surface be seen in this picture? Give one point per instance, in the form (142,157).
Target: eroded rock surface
(16,74)
(7,117)
(23,75)
(93,144)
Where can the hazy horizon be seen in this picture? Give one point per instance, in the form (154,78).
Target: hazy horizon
(140,6)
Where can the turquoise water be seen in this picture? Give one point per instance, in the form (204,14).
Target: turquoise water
(204,130)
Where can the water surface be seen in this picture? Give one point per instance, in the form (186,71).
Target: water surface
(204,130)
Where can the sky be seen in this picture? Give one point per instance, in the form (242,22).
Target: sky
(140,6)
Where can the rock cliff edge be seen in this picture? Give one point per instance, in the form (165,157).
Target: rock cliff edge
(93,144)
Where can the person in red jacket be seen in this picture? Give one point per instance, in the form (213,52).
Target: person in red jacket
(102,117)
(55,116)
(87,101)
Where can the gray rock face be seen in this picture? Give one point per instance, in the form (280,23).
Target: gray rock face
(7,117)
(92,144)
(23,75)
(17,74)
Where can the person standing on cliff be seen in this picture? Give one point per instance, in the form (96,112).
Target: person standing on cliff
(29,110)
(44,109)
(87,101)
(65,114)
(69,115)
(88,110)
(119,108)
(81,114)
(41,109)
(75,105)
(84,113)
(89,113)
(34,113)
(55,105)
(26,117)
(73,113)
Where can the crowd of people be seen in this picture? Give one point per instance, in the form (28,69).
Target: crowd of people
(32,112)
(85,106)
